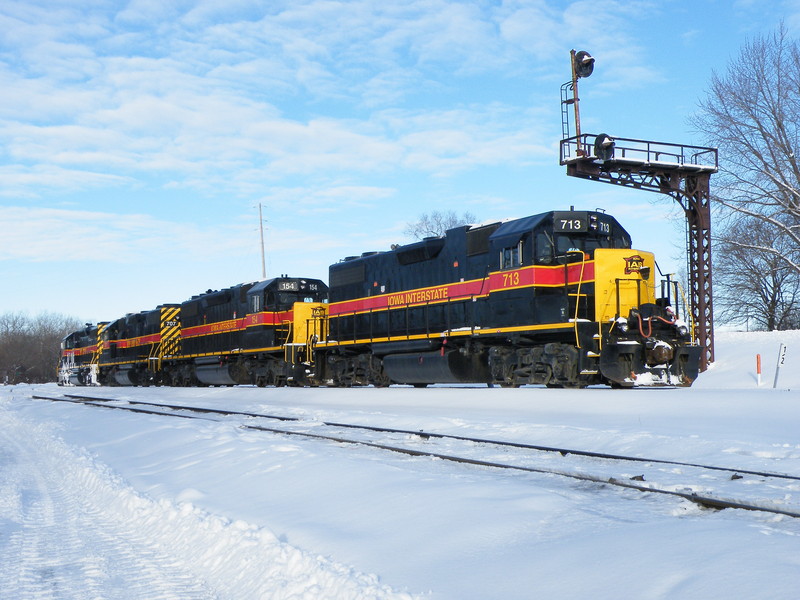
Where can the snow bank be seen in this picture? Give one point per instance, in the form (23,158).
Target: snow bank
(218,557)
(735,360)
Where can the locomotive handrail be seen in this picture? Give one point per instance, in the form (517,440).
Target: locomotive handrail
(638,292)
(642,152)
(675,287)
(287,344)
(154,356)
(692,323)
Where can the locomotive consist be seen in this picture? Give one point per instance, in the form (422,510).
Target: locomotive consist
(558,298)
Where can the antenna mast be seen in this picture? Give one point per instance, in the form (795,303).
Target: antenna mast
(261,227)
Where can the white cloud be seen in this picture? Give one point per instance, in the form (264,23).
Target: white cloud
(332,197)
(534,27)
(44,234)
(228,98)
(19,181)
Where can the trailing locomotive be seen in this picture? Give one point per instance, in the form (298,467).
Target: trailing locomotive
(254,333)
(79,359)
(559,298)
(251,333)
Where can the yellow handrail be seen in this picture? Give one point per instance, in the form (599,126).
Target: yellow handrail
(686,310)
(578,291)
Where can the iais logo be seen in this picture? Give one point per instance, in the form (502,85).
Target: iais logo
(634,264)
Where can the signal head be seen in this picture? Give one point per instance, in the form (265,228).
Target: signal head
(582,63)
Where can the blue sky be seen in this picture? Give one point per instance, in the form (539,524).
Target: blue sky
(138,138)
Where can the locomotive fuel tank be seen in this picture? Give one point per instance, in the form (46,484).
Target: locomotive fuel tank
(445,366)
(215,374)
(124,376)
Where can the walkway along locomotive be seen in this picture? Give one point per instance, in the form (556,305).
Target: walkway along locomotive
(559,298)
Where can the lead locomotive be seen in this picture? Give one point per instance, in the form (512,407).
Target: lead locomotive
(559,298)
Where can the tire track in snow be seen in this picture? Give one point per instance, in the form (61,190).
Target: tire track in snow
(76,530)
(60,545)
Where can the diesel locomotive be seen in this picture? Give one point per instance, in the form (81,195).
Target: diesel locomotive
(559,298)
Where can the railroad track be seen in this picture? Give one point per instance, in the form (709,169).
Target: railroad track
(714,486)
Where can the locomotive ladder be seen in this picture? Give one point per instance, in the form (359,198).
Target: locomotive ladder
(680,171)
(581,312)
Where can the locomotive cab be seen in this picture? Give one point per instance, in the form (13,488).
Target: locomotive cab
(546,266)
(573,236)
(288,312)
(281,294)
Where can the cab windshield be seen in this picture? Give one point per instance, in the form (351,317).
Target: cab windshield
(556,248)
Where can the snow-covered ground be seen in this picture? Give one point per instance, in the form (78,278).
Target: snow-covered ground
(106,504)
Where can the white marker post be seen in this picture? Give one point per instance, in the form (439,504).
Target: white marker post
(758,368)
(781,360)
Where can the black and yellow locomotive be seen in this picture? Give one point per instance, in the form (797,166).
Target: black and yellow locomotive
(130,348)
(559,298)
(258,333)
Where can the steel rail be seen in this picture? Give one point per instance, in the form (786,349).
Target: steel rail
(705,501)
(714,502)
(445,436)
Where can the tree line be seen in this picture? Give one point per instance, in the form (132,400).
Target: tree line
(30,346)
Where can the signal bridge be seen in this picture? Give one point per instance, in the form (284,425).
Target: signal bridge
(678,170)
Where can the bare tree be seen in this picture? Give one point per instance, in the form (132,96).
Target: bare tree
(434,224)
(757,288)
(29,347)
(752,114)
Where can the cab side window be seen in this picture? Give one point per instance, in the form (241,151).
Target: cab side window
(255,303)
(511,257)
(544,249)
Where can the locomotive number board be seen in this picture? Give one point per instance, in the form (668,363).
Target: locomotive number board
(579,222)
(571,222)
(288,286)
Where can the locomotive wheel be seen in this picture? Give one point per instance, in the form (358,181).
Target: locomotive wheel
(162,378)
(379,379)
